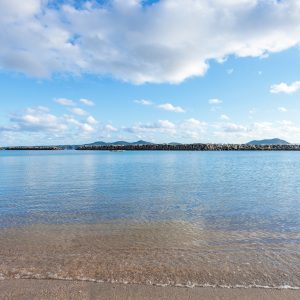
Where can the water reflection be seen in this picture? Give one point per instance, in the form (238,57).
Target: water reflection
(232,190)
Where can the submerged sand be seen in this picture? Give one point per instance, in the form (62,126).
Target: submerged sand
(160,253)
(56,289)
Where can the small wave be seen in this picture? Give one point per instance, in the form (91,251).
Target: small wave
(51,276)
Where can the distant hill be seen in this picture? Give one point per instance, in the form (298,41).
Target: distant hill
(141,142)
(119,143)
(97,144)
(269,142)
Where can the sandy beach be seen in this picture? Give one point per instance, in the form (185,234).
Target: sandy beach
(58,289)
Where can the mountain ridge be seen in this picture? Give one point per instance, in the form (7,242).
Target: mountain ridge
(119,143)
(274,141)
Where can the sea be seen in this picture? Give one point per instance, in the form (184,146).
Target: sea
(167,218)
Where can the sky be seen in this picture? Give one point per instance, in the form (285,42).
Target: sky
(190,71)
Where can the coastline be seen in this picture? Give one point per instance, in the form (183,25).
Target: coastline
(60,289)
(161,147)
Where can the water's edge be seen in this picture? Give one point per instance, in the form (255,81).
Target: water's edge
(205,285)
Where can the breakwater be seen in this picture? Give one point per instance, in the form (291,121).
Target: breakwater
(165,147)
(192,147)
(37,148)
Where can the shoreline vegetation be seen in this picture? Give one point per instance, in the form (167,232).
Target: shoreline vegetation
(165,147)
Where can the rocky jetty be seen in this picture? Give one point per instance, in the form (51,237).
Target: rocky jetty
(192,147)
(33,148)
(165,147)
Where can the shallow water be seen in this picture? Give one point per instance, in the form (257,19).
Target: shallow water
(175,218)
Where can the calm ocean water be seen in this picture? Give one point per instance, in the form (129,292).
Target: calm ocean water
(179,218)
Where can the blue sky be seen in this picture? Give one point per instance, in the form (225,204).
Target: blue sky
(187,71)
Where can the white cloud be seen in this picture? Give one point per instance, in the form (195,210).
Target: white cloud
(193,124)
(108,131)
(282,109)
(233,127)
(164,106)
(168,41)
(192,128)
(110,128)
(240,133)
(39,126)
(85,128)
(262,126)
(171,107)
(166,124)
(144,102)
(224,117)
(87,102)
(36,120)
(215,101)
(91,120)
(78,111)
(64,102)
(285,88)
(161,126)
(42,108)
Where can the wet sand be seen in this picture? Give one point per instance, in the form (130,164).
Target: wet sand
(58,289)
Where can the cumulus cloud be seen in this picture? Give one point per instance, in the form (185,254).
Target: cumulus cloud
(282,109)
(233,127)
(40,124)
(215,101)
(192,128)
(87,102)
(240,133)
(35,120)
(164,106)
(110,128)
(91,120)
(84,127)
(285,88)
(188,129)
(78,111)
(224,117)
(167,41)
(171,107)
(161,126)
(192,124)
(69,102)
(143,102)
(44,126)
(64,102)
(166,124)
